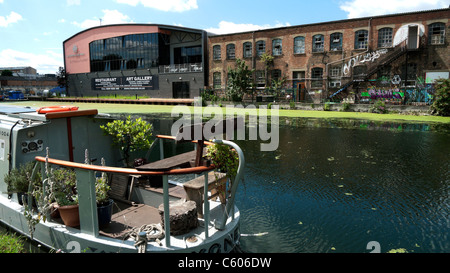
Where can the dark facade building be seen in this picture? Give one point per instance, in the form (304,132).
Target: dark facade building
(392,56)
(136,59)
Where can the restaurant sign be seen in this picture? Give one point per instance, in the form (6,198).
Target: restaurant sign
(125,83)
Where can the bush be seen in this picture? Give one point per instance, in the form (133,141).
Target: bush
(378,107)
(441,104)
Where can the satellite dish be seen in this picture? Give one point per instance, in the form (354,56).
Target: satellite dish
(402,33)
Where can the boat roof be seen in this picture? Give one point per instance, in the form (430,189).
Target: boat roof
(25,112)
(8,109)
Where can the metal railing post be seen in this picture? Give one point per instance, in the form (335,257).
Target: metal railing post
(166,209)
(206,205)
(230,204)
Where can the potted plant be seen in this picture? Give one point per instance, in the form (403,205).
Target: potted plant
(63,190)
(18,180)
(129,136)
(104,203)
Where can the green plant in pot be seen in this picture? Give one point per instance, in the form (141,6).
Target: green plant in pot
(129,135)
(18,180)
(63,190)
(104,203)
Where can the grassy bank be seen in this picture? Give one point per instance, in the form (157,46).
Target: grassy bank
(154,109)
(10,243)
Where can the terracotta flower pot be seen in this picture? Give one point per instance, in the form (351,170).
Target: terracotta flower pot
(69,215)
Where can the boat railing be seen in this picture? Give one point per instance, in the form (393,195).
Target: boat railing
(85,174)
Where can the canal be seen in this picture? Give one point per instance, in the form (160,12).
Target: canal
(341,185)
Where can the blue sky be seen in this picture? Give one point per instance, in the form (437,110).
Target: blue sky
(32,31)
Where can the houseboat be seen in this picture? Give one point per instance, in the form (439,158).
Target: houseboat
(144,197)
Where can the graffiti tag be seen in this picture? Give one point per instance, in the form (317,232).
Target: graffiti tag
(363,58)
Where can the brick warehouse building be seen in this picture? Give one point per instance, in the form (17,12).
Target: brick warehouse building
(355,59)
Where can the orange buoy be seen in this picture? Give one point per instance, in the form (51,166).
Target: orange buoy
(53,109)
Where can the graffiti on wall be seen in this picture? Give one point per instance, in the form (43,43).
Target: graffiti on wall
(363,58)
(385,88)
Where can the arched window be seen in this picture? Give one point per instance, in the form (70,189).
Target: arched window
(217,55)
(336,41)
(260,48)
(436,34)
(247,50)
(318,43)
(385,37)
(299,45)
(277,47)
(317,77)
(231,52)
(361,39)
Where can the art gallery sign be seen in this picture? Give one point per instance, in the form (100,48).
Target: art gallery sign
(125,83)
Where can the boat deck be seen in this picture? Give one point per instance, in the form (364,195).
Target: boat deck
(126,217)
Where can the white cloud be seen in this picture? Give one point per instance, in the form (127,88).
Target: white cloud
(13,17)
(230,27)
(363,8)
(164,5)
(45,63)
(110,17)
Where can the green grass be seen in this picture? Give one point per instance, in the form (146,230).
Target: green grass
(11,243)
(153,109)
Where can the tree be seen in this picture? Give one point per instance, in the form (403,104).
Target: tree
(61,76)
(7,73)
(441,104)
(239,81)
(267,60)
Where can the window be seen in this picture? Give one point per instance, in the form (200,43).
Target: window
(318,42)
(298,75)
(231,52)
(299,45)
(336,71)
(361,39)
(217,54)
(317,77)
(128,52)
(277,47)
(436,33)
(276,74)
(385,37)
(260,48)
(247,50)
(260,78)
(217,80)
(336,41)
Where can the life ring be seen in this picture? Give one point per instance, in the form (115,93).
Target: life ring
(53,109)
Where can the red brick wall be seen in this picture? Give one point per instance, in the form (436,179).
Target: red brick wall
(431,58)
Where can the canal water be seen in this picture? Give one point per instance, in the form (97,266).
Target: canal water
(347,186)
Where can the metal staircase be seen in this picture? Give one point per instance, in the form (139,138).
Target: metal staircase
(374,67)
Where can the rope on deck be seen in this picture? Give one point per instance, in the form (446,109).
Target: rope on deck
(146,233)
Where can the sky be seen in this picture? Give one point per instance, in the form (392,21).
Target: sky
(32,31)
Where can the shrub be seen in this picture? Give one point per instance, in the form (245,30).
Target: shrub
(378,107)
(441,104)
